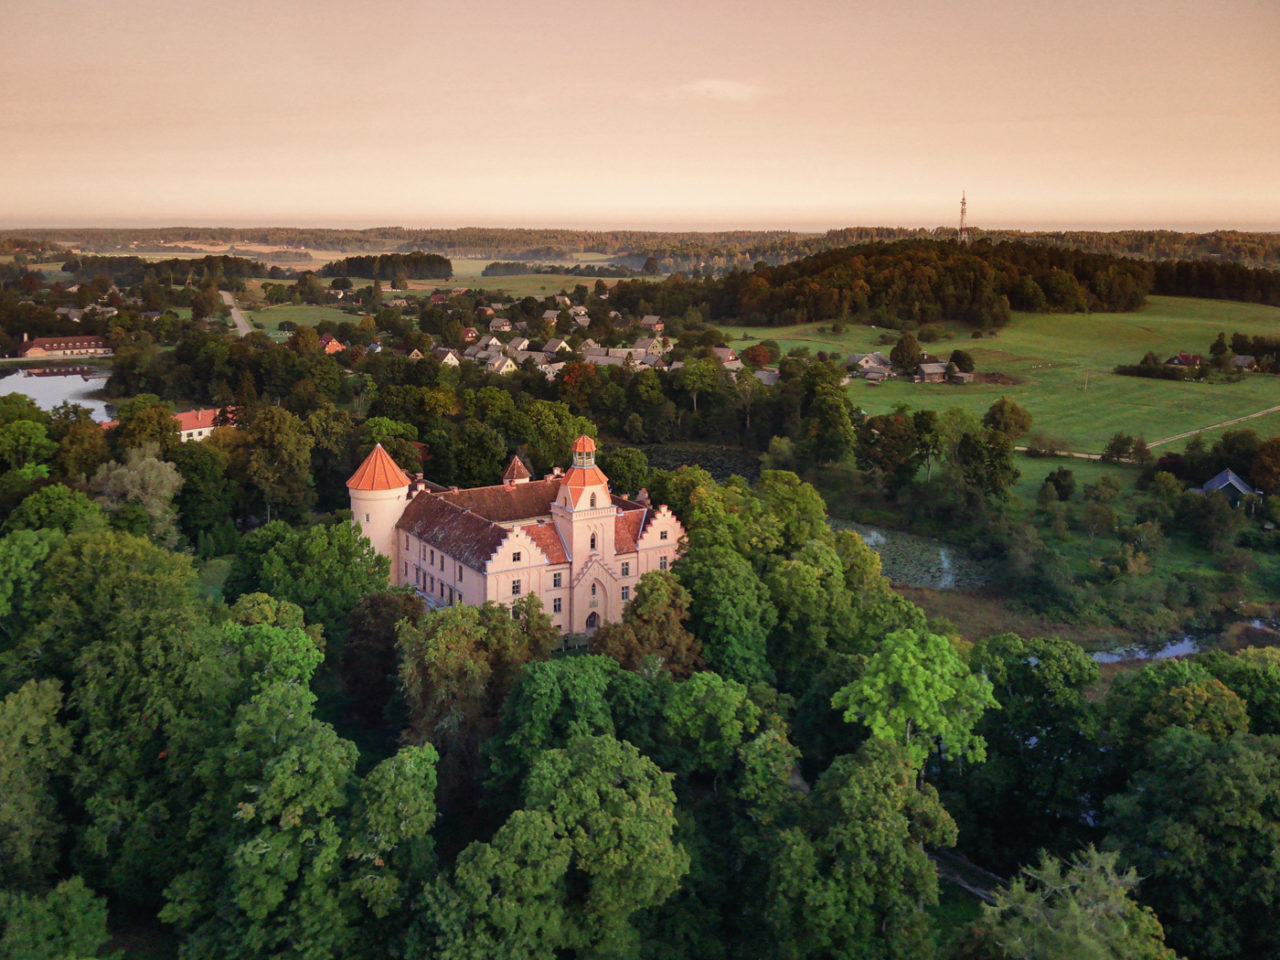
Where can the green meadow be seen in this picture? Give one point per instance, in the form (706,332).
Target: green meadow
(303,314)
(1059,367)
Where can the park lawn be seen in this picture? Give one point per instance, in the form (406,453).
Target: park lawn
(1061,365)
(303,314)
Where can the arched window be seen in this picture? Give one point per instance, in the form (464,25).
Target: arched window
(593,500)
(593,546)
(593,589)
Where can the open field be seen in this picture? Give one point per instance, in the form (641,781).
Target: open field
(301,314)
(1062,364)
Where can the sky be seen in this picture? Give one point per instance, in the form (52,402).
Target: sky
(700,114)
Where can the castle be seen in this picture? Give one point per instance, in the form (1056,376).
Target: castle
(565,538)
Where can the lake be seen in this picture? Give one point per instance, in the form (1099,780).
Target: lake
(50,386)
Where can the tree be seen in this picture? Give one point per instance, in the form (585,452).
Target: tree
(457,669)
(143,483)
(204,502)
(906,353)
(36,747)
(324,569)
(627,469)
(25,443)
(279,463)
(698,376)
(731,612)
(145,419)
(704,721)
(1084,907)
(652,629)
(82,449)
(1200,822)
(1032,792)
(266,882)
(1119,447)
(369,667)
(56,508)
(828,431)
(615,810)
(917,692)
(1266,467)
(1254,674)
(1007,417)
(851,879)
(888,443)
(67,922)
(963,360)
(480,454)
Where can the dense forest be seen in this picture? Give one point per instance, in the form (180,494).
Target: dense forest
(413,266)
(229,272)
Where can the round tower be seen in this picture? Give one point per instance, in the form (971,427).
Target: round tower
(379,490)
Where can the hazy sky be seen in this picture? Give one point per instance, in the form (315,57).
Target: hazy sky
(643,113)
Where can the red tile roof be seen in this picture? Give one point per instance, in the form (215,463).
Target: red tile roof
(547,539)
(584,444)
(503,504)
(199,419)
(461,534)
(626,530)
(378,472)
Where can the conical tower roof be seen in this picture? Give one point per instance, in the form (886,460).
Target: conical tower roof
(378,472)
(516,470)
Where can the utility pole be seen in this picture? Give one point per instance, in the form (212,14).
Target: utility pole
(964,226)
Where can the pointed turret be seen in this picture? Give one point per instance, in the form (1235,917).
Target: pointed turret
(516,472)
(379,490)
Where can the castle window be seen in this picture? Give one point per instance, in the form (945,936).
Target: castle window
(593,541)
(459,573)
(557,581)
(593,500)
(555,605)
(626,593)
(662,563)
(515,557)
(662,535)
(406,569)
(433,557)
(515,588)
(593,589)
(406,541)
(626,569)
(366,518)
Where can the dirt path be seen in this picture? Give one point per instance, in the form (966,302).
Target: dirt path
(1213,426)
(242,325)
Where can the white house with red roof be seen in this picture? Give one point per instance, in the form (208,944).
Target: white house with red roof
(567,538)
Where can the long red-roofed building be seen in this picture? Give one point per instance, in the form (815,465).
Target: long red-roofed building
(567,538)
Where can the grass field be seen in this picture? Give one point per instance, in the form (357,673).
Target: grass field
(1054,357)
(301,314)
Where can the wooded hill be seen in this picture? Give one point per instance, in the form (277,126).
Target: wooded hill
(714,252)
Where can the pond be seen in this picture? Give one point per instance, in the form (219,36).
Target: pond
(1183,647)
(51,385)
(915,561)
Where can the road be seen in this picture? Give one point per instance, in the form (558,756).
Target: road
(242,325)
(1215,426)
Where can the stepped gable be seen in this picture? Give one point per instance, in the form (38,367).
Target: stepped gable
(506,504)
(516,470)
(378,472)
(460,533)
(547,539)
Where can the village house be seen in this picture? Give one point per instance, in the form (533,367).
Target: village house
(330,344)
(930,373)
(1244,363)
(500,325)
(1182,359)
(469,334)
(1230,485)
(63,347)
(566,539)
(651,322)
(192,424)
(518,343)
(447,357)
(551,316)
(554,346)
(728,359)
(500,365)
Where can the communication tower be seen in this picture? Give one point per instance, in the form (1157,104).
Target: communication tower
(964,227)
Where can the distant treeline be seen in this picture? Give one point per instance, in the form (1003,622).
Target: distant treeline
(1217,281)
(713,252)
(904,284)
(391,266)
(511,268)
(174,272)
